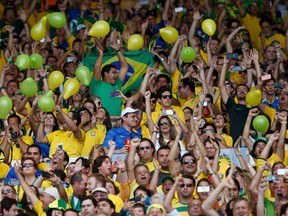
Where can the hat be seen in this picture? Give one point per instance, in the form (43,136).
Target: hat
(52,191)
(167,178)
(58,204)
(155,205)
(101,189)
(128,110)
(80,26)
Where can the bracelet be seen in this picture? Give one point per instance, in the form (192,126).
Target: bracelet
(283,122)
(248,68)
(117,50)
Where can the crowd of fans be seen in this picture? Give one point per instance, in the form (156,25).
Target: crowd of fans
(184,143)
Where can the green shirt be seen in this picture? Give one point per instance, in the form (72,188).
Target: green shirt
(103,90)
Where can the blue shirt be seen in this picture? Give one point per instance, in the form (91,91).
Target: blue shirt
(119,135)
(11,175)
(274,104)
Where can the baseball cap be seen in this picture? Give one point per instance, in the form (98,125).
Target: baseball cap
(80,26)
(100,189)
(128,110)
(52,191)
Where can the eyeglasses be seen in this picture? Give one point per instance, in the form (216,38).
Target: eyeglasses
(7,191)
(28,165)
(188,161)
(145,147)
(153,101)
(163,123)
(187,185)
(167,96)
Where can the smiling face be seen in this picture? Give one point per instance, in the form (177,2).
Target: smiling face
(165,125)
(111,76)
(165,100)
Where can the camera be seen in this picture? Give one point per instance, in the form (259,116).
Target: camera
(14,134)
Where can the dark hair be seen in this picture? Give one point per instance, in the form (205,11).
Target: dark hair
(25,205)
(60,173)
(28,158)
(85,162)
(117,191)
(56,125)
(266,81)
(165,147)
(243,85)
(7,204)
(283,209)
(91,101)
(187,82)
(151,145)
(84,109)
(107,120)
(163,76)
(90,197)
(190,177)
(143,188)
(34,146)
(106,69)
(14,116)
(66,158)
(139,205)
(161,90)
(98,162)
(108,201)
(99,178)
(76,177)
(186,155)
(70,210)
(139,165)
(208,124)
(172,133)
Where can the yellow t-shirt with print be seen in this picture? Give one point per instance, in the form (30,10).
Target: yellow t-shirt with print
(72,145)
(155,115)
(93,137)
(16,151)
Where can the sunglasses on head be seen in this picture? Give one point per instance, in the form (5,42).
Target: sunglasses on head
(188,161)
(187,185)
(145,147)
(167,96)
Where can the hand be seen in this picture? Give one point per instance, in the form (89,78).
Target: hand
(275,136)
(135,142)
(179,180)
(253,112)
(115,45)
(228,182)
(178,129)
(263,186)
(197,16)
(144,25)
(254,55)
(42,116)
(182,38)
(266,166)
(147,95)
(17,168)
(112,144)
(120,163)
(85,118)
(54,178)
(100,51)
(282,117)
(157,165)
(237,144)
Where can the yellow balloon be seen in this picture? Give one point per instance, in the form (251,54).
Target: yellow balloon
(209,27)
(38,31)
(253,98)
(169,34)
(100,29)
(55,79)
(71,87)
(135,42)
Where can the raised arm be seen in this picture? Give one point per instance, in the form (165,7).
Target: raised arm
(262,187)
(230,37)
(281,142)
(123,63)
(265,153)
(221,84)
(97,65)
(246,131)
(135,142)
(41,138)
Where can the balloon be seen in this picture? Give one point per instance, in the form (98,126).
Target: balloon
(38,31)
(253,98)
(36,61)
(6,106)
(83,74)
(135,42)
(100,29)
(169,34)
(23,62)
(55,79)
(49,94)
(56,19)
(71,87)
(188,54)
(261,123)
(46,103)
(29,87)
(209,27)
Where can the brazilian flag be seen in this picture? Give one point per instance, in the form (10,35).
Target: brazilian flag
(138,61)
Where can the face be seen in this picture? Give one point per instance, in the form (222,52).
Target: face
(79,188)
(49,120)
(233,192)
(13,123)
(142,175)
(35,154)
(70,169)
(270,53)
(11,88)
(88,209)
(219,121)
(269,87)
(145,151)
(241,208)
(241,92)
(163,158)
(208,130)
(203,195)
(7,191)
(105,168)
(104,207)
(194,208)
(131,120)
(91,184)
(28,168)
(56,212)
(12,211)
(99,195)
(89,106)
(281,190)
(164,125)
(101,113)
(189,165)
(259,148)
(187,188)
(166,186)
(187,114)
(165,100)
(182,91)
(210,149)
(137,212)
(266,29)
(155,212)
(46,199)
(110,188)
(283,97)
(111,76)
(151,20)
(214,47)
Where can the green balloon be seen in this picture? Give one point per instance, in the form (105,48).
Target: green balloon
(188,54)
(83,74)
(46,103)
(23,62)
(29,87)
(261,123)
(6,106)
(56,19)
(36,61)
(49,94)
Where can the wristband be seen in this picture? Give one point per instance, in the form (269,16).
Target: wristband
(117,51)
(212,173)
(282,122)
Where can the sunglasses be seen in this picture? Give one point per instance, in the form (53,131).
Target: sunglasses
(28,165)
(188,161)
(227,84)
(163,123)
(167,96)
(187,185)
(7,191)
(145,147)
(208,130)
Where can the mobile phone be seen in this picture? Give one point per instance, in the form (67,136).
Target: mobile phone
(271,178)
(14,181)
(282,171)
(169,112)
(203,189)
(232,55)
(158,72)
(70,59)
(205,103)
(45,174)
(278,85)
(42,40)
(236,68)
(265,77)
(118,41)
(114,94)
(179,9)
(60,146)
(136,199)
